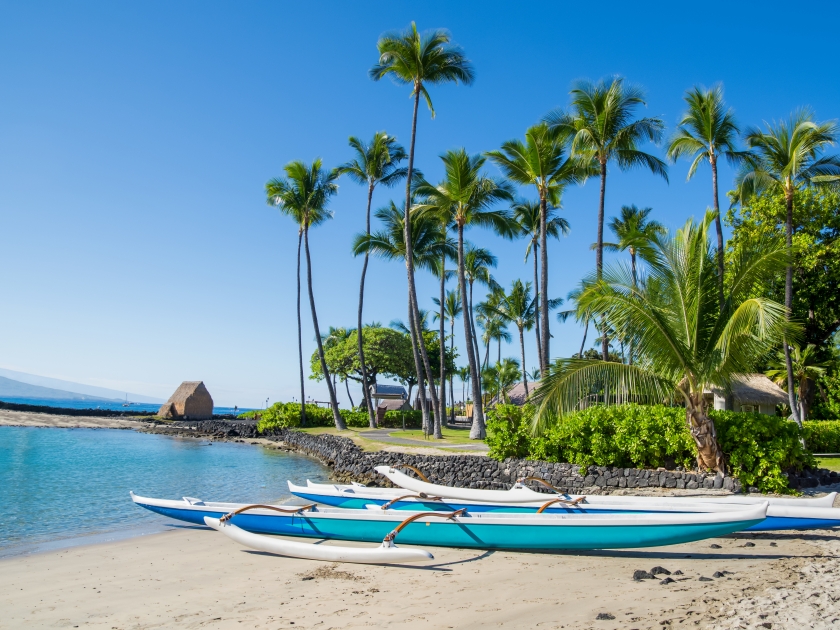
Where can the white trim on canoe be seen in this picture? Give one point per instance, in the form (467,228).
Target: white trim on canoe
(613,519)
(521,494)
(386,553)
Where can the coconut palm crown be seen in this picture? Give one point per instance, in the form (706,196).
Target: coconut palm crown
(686,343)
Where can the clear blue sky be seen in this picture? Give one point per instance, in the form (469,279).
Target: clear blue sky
(136,138)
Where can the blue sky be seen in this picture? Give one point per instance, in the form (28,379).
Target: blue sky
(136,139)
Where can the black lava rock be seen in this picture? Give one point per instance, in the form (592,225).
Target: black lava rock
(660,571)
(715,546)
(678,572)
(749,544)
(605,617)
(705,579)
(640,575)
(667,580)
(718,574)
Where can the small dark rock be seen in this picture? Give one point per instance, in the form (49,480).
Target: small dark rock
(308,577)
(718,574)
(749,544)
(703,578)
(605,617)
(678,572)
(667,580)
(715,546)
(772,544)
(660,571)
(766,624)
(640,575)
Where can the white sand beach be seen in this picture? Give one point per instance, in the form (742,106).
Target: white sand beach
(192,577)
(31,419)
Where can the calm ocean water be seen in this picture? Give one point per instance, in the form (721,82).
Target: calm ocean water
(98,404)
(60,487)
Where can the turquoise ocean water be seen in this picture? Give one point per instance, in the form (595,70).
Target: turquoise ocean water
(60,487)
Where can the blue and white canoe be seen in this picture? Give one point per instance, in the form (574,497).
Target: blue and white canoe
(483,530)
(782,513)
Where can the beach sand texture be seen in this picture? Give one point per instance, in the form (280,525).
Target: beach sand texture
(31,419)
(193,577)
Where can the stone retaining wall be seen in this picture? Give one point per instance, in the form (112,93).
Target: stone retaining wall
(350,463)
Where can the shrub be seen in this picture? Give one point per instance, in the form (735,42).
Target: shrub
(758,447)
(822,436)
(287,415)
(394,419)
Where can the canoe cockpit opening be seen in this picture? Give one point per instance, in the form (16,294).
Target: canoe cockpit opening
(422,495)
(193,501)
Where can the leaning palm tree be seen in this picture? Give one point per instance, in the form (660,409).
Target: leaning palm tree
(466,195)
(449,312)
(304,194)
(707,131)
(429,244)
(786,156)
(331,338)
(542,161)
(686,343)
(519,308)
(528,215)
(419,60)
(477,264)
(603,130)
(376,162)
(634,233)
(806,369)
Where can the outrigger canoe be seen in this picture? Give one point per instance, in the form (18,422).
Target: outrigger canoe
(460,528)
(782,513)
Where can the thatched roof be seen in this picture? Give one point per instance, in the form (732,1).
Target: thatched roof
(190,400)
(754,389)
(393,404)
(517,393)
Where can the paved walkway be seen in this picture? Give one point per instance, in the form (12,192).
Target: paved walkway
(382,435)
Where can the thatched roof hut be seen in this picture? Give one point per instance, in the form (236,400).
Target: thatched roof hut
(750,392)
(191,401)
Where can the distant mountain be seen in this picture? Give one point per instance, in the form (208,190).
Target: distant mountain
(16,389)
(80,391)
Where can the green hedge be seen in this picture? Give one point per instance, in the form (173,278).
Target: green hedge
(286,415)
(822,436)
(758,447)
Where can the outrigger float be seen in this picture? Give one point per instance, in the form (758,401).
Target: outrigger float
(456,528)
(782,513)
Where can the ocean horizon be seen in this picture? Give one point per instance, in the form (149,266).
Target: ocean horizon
(115,405)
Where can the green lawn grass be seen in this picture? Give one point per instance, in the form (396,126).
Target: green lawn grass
(832,463)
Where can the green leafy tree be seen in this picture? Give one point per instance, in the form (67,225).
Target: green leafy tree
(634,233)
(807,368)
(330,338)
(603,130)
(465,197)
(785,157)
(520,309)
(419,60)
(528,214)
(375,163)
(501,377)
(543,162)
(304,195)
(686,344)
(707,131)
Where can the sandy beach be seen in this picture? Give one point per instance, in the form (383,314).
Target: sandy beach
(193,577)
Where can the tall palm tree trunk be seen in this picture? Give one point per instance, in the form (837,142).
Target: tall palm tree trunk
(599,260)
(365,390)
(300,338)
(522,349)
(537,302)
(635,285)
(424,354)
(451,379)
(718,228)
(546,334)
(409,264)
(339,421)
(477,431)
(347,387)
(788,305)
(585,332)
(703,431)
(474,334)
(439,417)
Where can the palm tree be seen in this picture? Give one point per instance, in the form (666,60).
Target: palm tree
(806,369)
(419,60)
(304,195)
(450,311)
(495,329)
(466,195)
(329,339)
(707,131)
(542,161)
(519,308)
(429,244)
(463,374)
(686,343)
(501,377)
(477,264)
(634,233)
(602,129)
(785,157)
(400,325)
(377,162)
(443,274)
(529,215)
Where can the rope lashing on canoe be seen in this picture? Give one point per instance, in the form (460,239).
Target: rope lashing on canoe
(549,486)
(422,495)
(419,474)
(567,502)
(297,509)
(447,515)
